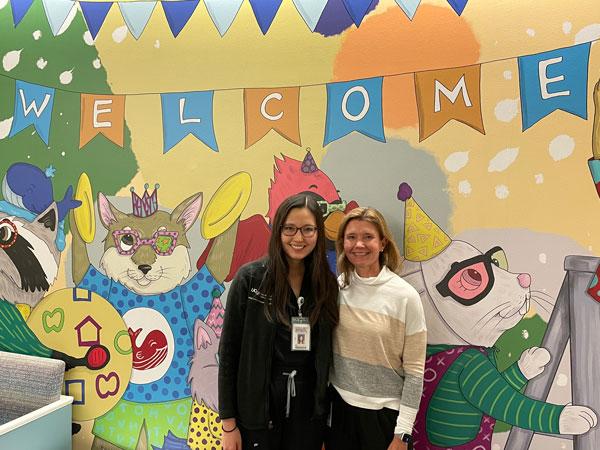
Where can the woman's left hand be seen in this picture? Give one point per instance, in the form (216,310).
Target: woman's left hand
(397,444)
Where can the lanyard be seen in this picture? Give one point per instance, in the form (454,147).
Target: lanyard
(300,301)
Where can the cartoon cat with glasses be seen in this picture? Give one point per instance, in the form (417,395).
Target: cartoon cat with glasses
(470,299)
(146,263)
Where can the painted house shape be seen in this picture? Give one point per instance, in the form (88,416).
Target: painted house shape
(88,332)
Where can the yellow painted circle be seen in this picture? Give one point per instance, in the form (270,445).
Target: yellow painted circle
(73,320)
(84,214)
(226,205)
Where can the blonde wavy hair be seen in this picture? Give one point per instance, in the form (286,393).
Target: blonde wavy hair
(390,256)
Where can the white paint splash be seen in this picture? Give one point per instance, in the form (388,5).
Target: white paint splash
(588,34)
(456,161)
(157,44)
(464,188)
(41,63)
(525,334)
(539,178)
(87,38)
(66,77)
(120,34)
(502,191)
(567,27)
(506,110)
(562,380)
(507,74)
(503,160)
(543,258)
(530,32)
(11,60)
(96,63)
(37,34)
(561,147)
(5,127)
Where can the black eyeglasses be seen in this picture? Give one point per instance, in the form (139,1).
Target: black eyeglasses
(469,281)
(291,230)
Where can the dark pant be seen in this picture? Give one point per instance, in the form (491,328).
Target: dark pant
(355,428)
(299,431)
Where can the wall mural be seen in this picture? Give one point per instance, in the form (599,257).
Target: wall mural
(143,161)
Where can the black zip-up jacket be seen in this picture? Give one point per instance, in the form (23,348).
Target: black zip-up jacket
(246,351)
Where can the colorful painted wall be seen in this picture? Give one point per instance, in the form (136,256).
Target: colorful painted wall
(469,124)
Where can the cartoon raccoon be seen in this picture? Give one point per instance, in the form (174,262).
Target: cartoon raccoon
(28,256)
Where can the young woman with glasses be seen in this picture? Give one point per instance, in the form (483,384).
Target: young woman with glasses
(275,346)
(379,345)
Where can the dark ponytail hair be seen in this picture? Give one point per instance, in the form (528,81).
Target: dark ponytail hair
(324,284)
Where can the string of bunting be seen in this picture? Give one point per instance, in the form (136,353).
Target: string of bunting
(136,14)
(548,81)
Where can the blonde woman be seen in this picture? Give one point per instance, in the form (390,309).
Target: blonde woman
(379,345)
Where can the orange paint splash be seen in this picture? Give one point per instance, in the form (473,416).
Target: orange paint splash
(389,43)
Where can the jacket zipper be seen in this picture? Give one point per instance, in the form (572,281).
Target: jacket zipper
(269,423)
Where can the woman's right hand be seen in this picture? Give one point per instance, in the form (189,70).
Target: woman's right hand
(232,440)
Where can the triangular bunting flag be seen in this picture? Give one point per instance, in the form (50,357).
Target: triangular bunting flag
(57,12)
(458,5)
(136,15)
(265,11)
(409,7)
(311,11)
(222,13)
(19,9)
(178,14)
(94,14)
(357,9)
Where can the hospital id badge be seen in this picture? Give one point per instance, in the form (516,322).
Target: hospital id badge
(300,334)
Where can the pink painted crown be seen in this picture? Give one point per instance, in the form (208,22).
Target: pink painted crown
(147,204)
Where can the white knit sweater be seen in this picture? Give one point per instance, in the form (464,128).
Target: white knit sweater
(379,346)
